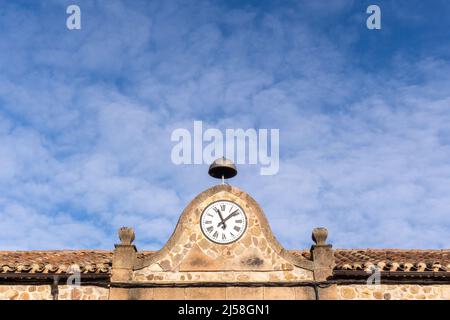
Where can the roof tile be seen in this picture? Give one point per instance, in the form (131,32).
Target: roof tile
(99,261)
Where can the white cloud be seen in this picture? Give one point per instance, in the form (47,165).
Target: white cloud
(85,128)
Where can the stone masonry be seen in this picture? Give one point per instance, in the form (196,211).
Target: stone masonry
(189,258)
(256,267)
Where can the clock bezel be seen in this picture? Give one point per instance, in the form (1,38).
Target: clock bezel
(224,244)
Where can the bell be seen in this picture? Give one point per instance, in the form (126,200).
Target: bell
(222,168)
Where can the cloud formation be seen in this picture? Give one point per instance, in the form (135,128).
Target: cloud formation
(86,118)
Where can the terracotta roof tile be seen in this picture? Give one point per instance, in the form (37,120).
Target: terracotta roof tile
(99,261)
(60,261)
(393,260)
(389,259)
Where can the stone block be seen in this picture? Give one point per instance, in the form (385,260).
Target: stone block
(304,293)
(119,294)
(348,293)
(197,260)
(121,274)
(328,293)
(279,293)
(245,293)
(378,295)
(142,294)
(124,256)
(168,294)
(205,293)
(446,292)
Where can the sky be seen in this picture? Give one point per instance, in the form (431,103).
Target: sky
(86,117)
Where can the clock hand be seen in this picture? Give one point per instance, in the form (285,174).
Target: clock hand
(221,218)
(227,218)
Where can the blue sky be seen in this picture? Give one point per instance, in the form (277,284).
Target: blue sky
(86,117)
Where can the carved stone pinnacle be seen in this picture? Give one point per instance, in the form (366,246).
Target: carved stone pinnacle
(126,235)
(319,236)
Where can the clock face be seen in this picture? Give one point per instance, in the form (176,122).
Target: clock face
(223,222)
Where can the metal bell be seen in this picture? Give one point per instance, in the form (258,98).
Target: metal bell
(222,168)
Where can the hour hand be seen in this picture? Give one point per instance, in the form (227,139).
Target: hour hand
(229,217)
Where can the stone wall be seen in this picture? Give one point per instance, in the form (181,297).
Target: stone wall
(334,292)
(43,292)
(83,293)
(18,292)
(394,292)
(342,292)
(217,293)
(189,256)
(295,274)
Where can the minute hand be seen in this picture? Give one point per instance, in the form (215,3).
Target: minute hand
(227,218)
(222,222)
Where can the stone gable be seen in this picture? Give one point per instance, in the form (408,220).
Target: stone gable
(190,256)
(254,267)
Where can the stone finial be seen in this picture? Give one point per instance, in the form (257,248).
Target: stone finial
(124,256)
(319,236)
(322,255)
(126,235)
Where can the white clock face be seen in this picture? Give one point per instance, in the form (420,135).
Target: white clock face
(223,222)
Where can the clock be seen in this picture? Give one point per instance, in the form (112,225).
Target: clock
(223,222)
